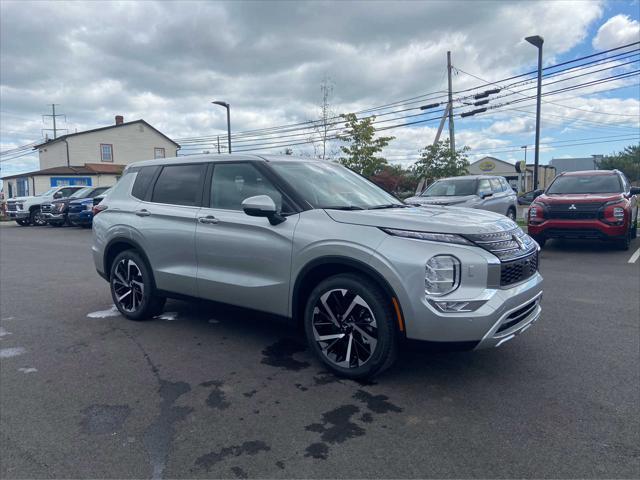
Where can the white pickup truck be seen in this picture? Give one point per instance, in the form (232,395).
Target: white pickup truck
(26,210)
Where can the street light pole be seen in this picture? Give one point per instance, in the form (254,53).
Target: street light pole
(523,175)
(537,41)
(228,107)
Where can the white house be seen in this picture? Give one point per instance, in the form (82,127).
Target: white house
(93,157)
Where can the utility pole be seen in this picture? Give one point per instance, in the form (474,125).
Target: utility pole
(53,115)
(537,41)
(218,144)
(452,136)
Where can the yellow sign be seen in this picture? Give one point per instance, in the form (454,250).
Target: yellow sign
(487,166)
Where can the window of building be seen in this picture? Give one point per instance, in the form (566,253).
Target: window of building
(158,152)
(180,185)
(22,186)
(106,152)
(234,182)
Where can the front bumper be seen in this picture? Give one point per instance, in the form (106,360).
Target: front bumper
(54,217)
(577,229)
(18,214)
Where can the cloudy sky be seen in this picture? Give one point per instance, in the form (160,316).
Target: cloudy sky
(165,61)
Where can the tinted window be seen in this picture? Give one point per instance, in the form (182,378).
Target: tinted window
(98,191)
(234,182)
(496,186)
(143,180)
(586,184)
(451,188)
(179,185)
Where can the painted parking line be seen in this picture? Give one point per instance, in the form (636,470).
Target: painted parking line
(635,256)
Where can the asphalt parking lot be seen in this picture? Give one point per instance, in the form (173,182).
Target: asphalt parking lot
(207,391)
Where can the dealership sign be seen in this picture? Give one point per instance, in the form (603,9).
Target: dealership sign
(487,166)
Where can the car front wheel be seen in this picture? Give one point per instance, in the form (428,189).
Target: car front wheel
(132,287)
(350,325)
(23,223)
(37,218)
(511,213)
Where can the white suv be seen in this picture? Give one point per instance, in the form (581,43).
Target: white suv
(313,241)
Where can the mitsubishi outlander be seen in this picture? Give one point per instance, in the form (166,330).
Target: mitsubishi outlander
(313,241)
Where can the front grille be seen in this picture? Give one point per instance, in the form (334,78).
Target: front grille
(573,211)
(516,317)
(573,233)
(11,207)
(507,245)
(518,270)
(46,208)
(76,207)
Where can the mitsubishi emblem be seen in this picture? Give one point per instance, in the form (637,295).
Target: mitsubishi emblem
(519,241)
(572,207)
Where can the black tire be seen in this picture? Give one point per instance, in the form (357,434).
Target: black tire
(130,272)
(540,239)
(23,223)
(375,320)
(512,214)
(36,218)
(634,229)
(625,243)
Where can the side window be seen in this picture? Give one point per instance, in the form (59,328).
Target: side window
(65,192)
(180,185)
(505,186)
(97,191)
(234,182)
(484,186)
(143,180)
(496,186)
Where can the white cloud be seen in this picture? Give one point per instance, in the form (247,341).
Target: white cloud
(618,30)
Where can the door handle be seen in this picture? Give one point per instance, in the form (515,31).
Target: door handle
(143,213)
(209,219)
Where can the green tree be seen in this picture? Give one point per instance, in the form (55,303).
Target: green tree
(437,161)
(360,154)
(627,161)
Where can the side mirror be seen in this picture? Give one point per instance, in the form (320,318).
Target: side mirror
(262,206)
(57,195)
(485,194)
(635,190)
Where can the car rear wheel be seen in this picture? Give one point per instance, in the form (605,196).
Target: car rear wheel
(23,223)
(37,218)
(132,287)
(350,325)
(511,213)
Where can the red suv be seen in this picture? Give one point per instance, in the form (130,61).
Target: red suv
(598,204)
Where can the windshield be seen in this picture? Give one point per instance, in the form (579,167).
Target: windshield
(82,192)
(48,192)
(328,185)
(451,188)
(585,184)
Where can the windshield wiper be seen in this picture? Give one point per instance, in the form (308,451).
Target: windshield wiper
(343,207)
(389,205)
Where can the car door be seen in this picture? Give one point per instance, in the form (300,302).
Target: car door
(243,260)
(485,192)
(499,201)
(164,223)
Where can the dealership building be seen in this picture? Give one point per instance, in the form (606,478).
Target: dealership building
(521,182)
(92,158)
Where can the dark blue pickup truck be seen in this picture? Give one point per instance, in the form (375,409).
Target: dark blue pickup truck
(80,211)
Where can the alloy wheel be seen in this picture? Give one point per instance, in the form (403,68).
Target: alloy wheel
(344,328)
(128,285)
(511,214)
(38,219)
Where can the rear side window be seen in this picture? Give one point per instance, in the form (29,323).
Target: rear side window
(180,185)
(143,180)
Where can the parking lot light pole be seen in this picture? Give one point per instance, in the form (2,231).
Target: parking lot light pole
(228,107)
(537,42)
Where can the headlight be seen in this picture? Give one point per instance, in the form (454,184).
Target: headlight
(20,205)
(442,275)
(434,237)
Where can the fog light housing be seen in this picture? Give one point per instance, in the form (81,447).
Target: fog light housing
(458,307)
(442,275)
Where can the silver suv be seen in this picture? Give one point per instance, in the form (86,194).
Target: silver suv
(313,241)
(473,191)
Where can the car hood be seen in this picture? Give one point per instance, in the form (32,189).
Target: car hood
(440,200)
(580,197)
(434,219)
(21,199)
